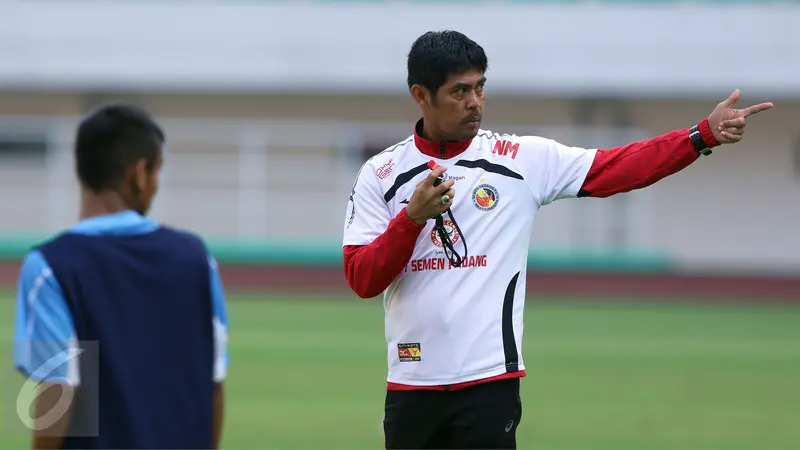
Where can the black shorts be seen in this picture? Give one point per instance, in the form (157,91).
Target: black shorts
(483,416)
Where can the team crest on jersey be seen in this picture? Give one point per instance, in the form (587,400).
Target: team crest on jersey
(485,196)
(452,233)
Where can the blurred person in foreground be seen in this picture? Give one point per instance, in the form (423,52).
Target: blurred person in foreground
(122,317)
(454,321)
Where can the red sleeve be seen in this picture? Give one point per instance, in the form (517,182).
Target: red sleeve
(638,165)
(370,269)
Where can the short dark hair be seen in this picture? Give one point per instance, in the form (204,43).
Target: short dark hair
(110,140)
(436,55)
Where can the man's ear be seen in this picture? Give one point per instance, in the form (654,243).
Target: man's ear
(420,95)
(141,173)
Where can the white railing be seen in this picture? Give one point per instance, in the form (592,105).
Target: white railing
(283,180)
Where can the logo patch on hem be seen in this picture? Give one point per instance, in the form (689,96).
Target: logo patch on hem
(409,352)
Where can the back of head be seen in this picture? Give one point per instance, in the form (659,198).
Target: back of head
(436,55)
(118,151)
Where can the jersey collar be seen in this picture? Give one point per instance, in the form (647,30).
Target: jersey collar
(441,150)
(119,223)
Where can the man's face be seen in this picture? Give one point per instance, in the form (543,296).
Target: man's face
(456,110)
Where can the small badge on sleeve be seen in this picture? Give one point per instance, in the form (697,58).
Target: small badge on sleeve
(409,352)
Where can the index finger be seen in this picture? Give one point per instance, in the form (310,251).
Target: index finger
(434,174)
(755,109)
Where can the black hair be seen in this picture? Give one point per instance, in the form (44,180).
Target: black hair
(436,55)
(112,139)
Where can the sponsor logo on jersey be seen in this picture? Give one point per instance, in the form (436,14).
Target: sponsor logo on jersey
(485,196)
(453,177)
(441,263)
(409,352)
(385,170)
(451,232)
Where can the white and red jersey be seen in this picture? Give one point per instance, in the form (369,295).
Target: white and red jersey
(448,327)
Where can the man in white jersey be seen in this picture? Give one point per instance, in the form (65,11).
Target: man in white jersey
(451,255)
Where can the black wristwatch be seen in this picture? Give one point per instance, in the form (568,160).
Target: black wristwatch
(697,140)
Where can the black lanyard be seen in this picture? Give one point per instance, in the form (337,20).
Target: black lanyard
(449,249)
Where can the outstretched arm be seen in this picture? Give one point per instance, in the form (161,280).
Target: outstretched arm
(555,171)
(640,164)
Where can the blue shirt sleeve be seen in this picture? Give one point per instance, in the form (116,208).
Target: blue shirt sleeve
(220,322)
(45,343)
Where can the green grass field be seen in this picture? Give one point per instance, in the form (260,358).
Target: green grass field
(310,374)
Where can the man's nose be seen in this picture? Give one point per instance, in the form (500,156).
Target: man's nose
(472,100)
